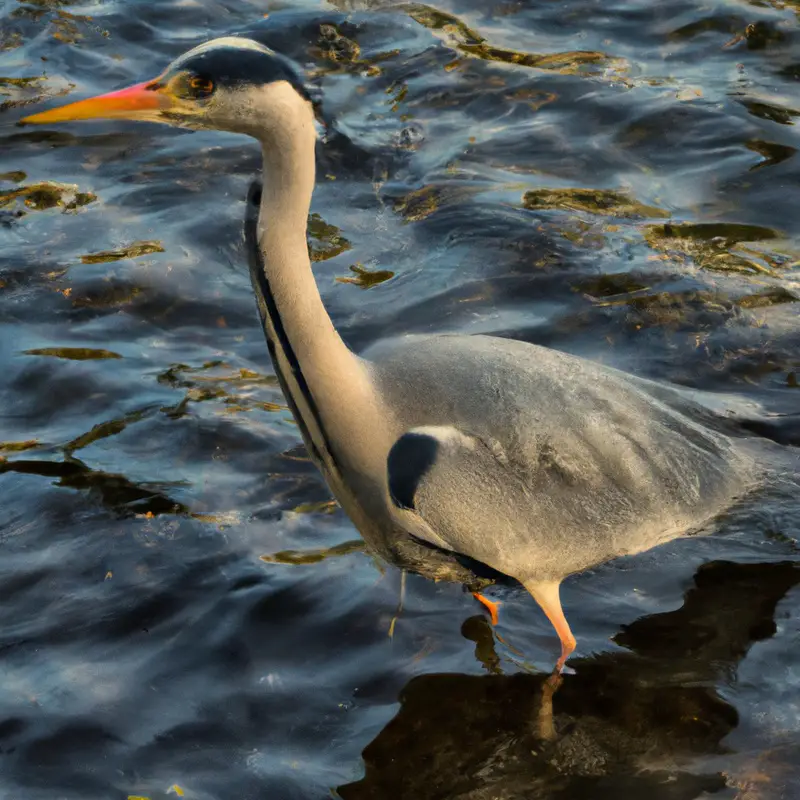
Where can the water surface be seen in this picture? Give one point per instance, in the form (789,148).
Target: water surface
(185,610)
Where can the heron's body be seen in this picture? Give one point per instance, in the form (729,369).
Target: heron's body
(545,463)
(449,452)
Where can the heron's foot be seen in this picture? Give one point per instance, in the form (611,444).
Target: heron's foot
(490,604)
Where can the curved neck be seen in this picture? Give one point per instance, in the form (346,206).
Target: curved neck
(289,174)
(327,384)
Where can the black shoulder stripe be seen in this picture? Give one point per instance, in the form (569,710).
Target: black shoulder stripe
(409,460)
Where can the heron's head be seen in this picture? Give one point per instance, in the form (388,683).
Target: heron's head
(233,84)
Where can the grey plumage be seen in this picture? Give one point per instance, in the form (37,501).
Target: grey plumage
(541,464)
(458,457)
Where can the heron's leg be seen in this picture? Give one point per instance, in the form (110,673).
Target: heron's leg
(400,604)
(490,604)
(546,595)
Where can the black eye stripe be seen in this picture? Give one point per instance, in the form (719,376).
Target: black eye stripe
(231,67)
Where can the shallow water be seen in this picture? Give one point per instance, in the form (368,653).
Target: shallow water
(184,608)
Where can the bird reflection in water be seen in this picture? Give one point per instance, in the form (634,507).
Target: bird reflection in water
(625,725)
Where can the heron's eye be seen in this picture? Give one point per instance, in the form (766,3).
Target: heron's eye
(201,86)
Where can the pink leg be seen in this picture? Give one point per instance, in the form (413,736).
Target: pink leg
(546,595)
(490,604)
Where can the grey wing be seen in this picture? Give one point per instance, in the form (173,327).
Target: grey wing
(457,491)
(538,517)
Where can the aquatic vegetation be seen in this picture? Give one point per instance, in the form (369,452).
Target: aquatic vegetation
(317,507)
(712,246)
(468,41)
(104,430)
(300,557)
(19,92)
(109,294)
(716,23)
(772,152)
(42,196)
(533,98)
(366,278)
(592,201)
(134,250)
(772,296)
(611,285)
(18,447)
(603,203)
(6,83)
(325,240)
(73,353)
(421,203)
(10,40)
(341,53)
(214,381)
(771,111)
(63,26)
(687,311)
(760,35)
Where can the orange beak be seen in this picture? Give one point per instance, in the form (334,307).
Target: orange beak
(144,101)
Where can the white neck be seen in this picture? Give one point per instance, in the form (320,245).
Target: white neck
(289,173)
(337,379)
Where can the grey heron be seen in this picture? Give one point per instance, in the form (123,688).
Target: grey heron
(456,456)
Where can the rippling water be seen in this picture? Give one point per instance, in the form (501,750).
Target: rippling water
(185,611)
